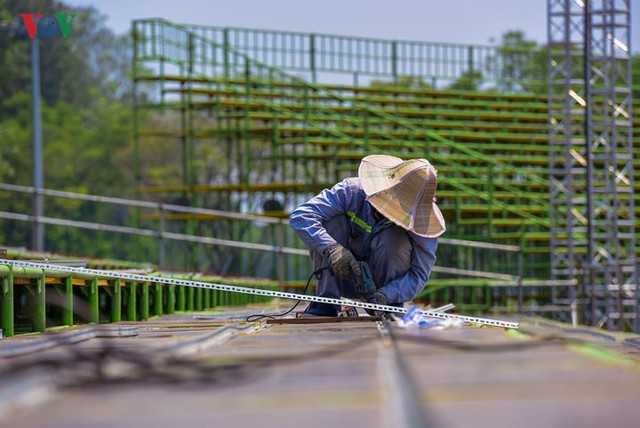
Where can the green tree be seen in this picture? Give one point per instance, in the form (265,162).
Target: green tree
(468,81)
(86,90)
(86,123)
(91,57)
(635,77)
(519,64)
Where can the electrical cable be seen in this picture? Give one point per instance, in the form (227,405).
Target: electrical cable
(114,365)
(258,317)
(110,364)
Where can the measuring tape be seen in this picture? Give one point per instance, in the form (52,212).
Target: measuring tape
(246,290)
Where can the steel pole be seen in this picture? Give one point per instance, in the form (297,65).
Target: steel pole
(38,204)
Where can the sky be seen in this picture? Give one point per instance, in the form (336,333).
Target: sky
(453,21)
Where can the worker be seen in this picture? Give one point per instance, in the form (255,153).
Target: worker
(387,217)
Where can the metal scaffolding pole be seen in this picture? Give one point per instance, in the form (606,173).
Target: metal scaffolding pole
(567,151)
(609,139)
(591,156)
(38,203)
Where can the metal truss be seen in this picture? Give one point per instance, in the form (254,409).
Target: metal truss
(590,158)
(567,151)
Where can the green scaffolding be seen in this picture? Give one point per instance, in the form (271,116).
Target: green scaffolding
(258,116)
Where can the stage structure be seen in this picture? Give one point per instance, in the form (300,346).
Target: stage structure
(592,233)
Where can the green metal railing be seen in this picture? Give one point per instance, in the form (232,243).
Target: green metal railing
(230,76)
(45,299)
(283,87)
(324,57)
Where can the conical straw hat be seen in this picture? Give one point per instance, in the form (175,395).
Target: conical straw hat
(404,192)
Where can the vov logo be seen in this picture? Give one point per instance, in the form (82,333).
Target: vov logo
(48,27)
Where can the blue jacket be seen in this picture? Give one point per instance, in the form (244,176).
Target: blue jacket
(348,198)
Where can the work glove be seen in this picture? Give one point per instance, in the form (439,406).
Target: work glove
(377,298)
(342,262)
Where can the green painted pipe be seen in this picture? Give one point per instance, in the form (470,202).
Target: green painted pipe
(6,304)
(116,301)
(182,298)
(40,304)
(171,299)
(199,304)
(131,287)
(207,299)
(157,300)
(67,310)
(94,303)
(22,272)
(215,298)
(144,302)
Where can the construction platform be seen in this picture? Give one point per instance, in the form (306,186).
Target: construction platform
(215,369)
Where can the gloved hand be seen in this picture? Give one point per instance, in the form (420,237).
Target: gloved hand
(377,298)
(342,262)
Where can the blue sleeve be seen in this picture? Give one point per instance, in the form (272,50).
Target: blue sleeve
(307,219)
(407,286)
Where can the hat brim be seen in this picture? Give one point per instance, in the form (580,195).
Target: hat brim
(434,227)
(381,177)
(374,171)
